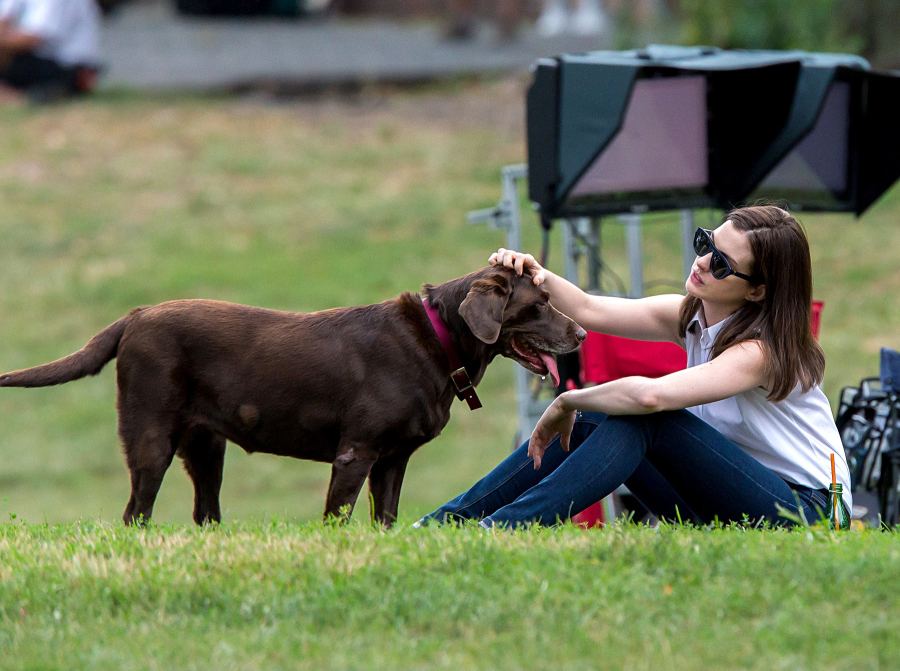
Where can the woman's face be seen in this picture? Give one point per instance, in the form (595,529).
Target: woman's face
(730,292)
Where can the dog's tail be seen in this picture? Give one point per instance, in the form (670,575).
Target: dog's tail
(89,360)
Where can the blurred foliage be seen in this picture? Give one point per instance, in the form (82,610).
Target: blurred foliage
(769,24)
(865,27)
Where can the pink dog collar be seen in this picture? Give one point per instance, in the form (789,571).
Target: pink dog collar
(465,390)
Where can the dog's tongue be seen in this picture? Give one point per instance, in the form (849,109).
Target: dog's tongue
(550,363)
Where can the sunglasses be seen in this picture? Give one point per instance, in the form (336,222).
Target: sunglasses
(718,264)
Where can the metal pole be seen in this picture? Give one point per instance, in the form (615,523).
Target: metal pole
(635,253)
(592,234)
(577,240)
(508,215)
(510,203)
(687,241)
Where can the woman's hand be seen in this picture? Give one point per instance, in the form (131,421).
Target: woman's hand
(556,420)
(519,262)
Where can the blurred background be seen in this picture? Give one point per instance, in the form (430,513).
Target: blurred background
(302,155)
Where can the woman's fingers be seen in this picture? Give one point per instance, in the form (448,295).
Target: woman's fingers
(556,421)
(533,448)
(536,456)
(504,257)
(510,260)
(520,262)
(537,445)
(564,437)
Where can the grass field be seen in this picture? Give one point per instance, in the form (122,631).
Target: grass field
(122,201)
(277,595)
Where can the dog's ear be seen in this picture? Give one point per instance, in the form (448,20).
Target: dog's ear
(482,308)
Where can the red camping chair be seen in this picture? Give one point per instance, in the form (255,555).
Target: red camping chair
(606,357)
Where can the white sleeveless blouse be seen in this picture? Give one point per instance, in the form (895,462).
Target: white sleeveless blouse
(794,437)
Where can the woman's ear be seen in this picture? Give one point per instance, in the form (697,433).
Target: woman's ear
(756,293)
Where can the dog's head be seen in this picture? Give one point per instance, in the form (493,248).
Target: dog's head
(509,311)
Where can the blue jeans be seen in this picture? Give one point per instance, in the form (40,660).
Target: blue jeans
(675,464)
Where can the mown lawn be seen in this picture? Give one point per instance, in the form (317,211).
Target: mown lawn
(278,595)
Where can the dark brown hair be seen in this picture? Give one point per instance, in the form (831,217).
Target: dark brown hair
(781,321)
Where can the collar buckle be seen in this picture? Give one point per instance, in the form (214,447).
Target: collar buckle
(461,380)
(465,390)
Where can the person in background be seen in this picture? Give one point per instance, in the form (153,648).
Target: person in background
(48,48)
(463,21)
(582,17)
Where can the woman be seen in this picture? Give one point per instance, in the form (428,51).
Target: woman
(742,432)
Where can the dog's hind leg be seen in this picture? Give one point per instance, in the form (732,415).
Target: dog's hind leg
(148,459)
(385,480)
(150,401)
(348,472)
(203,453)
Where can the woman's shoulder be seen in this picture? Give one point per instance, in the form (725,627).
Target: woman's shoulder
(747,353)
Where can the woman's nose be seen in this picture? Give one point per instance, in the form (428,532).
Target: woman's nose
(703,261)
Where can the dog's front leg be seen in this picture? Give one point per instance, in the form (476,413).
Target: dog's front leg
(348,472)
(385,480)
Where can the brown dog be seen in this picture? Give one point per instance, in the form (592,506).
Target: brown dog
(360,388)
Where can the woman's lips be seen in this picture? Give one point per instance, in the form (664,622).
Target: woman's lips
(695,278)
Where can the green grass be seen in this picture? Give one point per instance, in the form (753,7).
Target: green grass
(278,595)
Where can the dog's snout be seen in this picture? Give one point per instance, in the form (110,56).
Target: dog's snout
(581,334)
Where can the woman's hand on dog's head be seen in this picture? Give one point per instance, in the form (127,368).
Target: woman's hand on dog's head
(520,262)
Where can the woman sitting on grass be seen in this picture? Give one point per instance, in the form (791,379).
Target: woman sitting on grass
(744,430)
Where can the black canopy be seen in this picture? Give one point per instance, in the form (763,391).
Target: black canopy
(676,127)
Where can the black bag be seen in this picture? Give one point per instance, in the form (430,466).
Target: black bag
(889,481)
(868,419)
(890,370)
(860,421)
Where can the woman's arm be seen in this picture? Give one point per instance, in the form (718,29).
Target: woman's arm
(13,41)
(652,318)
(738,369)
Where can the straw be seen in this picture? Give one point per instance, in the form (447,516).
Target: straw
(837,521)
